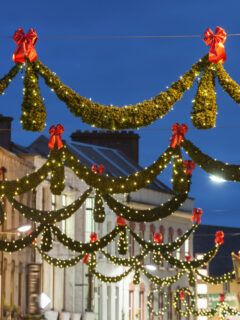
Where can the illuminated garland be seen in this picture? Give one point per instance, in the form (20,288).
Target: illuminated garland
(147,215)
(25,184)
(210,165)
(135,116)
(33,109)
(227,83)
(60,263)
(46,240)
(126,262)
(222,309)
(180,181)
(193,264)
(163,248)
(57,180)
(204,104)
(99,212)
(17,245)
(109,279)
(162,281)
(53,215)
(5,81)
(150,299)
(122,241)
(217,280)
(85,247)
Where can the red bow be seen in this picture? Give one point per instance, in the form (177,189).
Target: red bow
(221,297)
(197,212)
(121,221)
(188,258)
(178,133)
(97,169)
(93,238)
(25,46)
(35,240)
(157,237)
(189,165)
(182,294)
(219,237)
(216,42)
(55,133)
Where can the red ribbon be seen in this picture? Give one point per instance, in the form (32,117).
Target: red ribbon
(55,133)
(216,42)
(178,133)
(93,238)
(182,295)
(197,212)
(219,237)
(121,221)
(157,237)
(97,169)
(188,258)
(25,45)
(189,165)
(221,297)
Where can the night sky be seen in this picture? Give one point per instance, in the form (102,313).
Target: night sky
(127,71)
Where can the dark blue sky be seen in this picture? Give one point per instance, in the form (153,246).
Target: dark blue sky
(126,71)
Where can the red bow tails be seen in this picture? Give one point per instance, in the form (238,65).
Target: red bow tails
(219,237)
(97,169)
(197,212)
(93,238)
(189,165)
(25,45)
(178,133)
(216,42)
(55,133)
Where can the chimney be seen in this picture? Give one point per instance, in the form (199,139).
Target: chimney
(5,132)
(124,141)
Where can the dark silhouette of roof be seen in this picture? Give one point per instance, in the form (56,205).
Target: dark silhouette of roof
(203,241)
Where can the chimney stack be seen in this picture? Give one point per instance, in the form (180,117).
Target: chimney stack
(5,132)
(124,141)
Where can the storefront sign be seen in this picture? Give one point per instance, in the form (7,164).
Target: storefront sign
(33,288)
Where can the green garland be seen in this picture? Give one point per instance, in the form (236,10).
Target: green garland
(147,215)
(3,215)
(109,279)
(126,262)
(193,264)
(46,241)
(136,277)
(227,83)
(217,280)
(60,263)
(163,248)
(48,217)
(57,180)
(33,109)
(25,184)
(127,184)
(162,281)
(5,81)
(122,241)
(204,105)
(134,116)
(210,165)
(99,211)
(180,181)
(85,247)
(17,245)
(149,302)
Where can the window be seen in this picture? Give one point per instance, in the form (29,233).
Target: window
(187,247)
(109,228)
(162,231)
(152,231)
(179,251)
(89,221)
(170,299)
(131,241)
(44,198)
(116,303)
(141,303)
(54,202)
(109,313)
(160,304)
(99,290)
(131,305)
